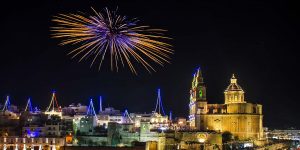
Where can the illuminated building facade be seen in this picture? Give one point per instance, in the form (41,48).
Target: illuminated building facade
(180,124)
(79,125)
(33,131)
(242,119)
(85,123)
(155,119)
(289,134)
(73,109)
(17,143)
(109,115)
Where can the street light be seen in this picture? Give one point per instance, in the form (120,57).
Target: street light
(202,142)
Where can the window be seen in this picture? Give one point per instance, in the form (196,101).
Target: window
(254,110)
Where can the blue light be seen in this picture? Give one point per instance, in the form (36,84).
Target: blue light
(162,107)
(91,109)
(32,134)
(7,104)
(100,104)
(124,114)
(199,68)
(191,117)
(159,104)
(36,109)
(191,104)
(29,105)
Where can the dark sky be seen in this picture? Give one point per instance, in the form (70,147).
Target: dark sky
(257,40)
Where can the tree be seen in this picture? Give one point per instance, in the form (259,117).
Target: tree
(227,137)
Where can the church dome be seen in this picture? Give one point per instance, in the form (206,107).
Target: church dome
(233,86)
(234,93)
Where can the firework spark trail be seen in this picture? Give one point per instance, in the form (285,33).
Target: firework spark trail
(107,33)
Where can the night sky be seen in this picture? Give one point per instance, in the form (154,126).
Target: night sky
(257,40)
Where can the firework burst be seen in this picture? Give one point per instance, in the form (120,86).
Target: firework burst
(107,34)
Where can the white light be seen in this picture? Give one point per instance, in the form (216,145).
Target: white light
(201,140)
(248,144)
(163,128)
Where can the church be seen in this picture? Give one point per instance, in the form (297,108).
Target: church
(243,119)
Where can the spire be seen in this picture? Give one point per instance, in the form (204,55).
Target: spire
(199,76)
(199,71)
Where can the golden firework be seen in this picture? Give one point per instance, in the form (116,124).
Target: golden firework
(107,33)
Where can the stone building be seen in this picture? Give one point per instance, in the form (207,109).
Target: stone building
(237,116)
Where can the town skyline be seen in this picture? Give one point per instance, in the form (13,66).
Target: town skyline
(252,39)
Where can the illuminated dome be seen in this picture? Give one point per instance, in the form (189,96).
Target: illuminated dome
(233,85)
(234,93)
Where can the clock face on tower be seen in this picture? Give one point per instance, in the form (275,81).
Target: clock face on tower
(200,93)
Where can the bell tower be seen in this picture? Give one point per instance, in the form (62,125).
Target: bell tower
(198,103)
